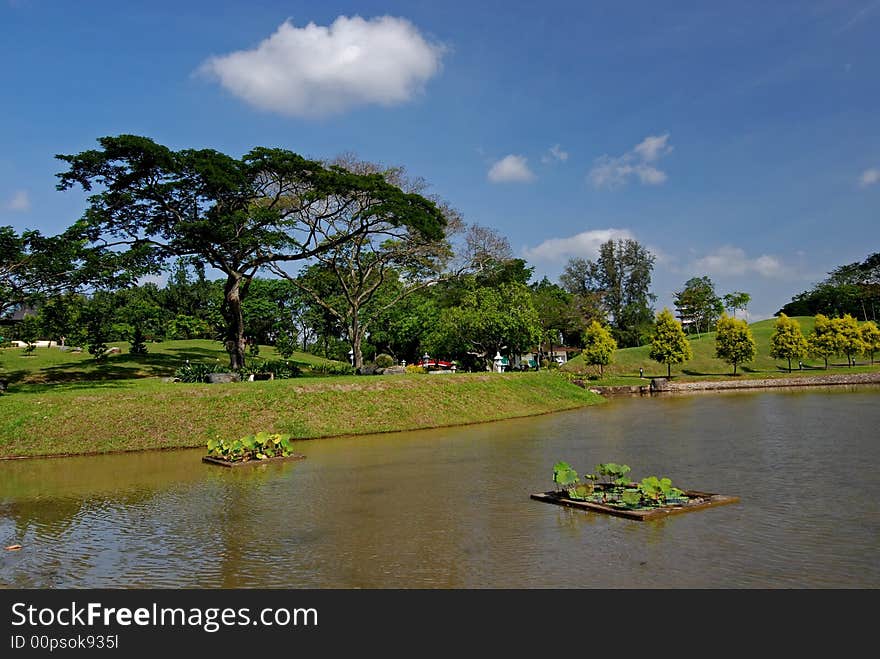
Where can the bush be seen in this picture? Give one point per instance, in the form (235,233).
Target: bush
(280,370)
(415,368)
(384,361)
(198,372)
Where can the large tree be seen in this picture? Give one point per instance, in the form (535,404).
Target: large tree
(787,340)
(621,278)
(488,320)
(734,342)
(853,288)
(697,304)
(238,215)
(669,345)
(736,300)
(34,267)
(558,312)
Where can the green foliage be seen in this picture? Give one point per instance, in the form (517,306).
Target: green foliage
(384,360)
(564,475)
(848,337)
(631,498)
(870,339)
(787,340)
(853,288)
(736,300)
(581,491)
(612,472)
(599,346)
(620,278)
(734,342)
(822,342)
(285,343)
(261,446)
(657,491)
(198,372)
(669,344)
(698,303)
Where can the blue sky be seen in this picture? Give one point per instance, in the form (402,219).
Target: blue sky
(735,140)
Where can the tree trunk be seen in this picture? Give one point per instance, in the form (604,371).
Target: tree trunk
(357,336)
(601,371)
(668,370)
(734,368)
(235,342)
(826,363)
(789,364)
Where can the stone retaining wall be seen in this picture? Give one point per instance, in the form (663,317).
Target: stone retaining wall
(814,381)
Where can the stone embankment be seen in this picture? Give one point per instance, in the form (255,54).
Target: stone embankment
(662,385)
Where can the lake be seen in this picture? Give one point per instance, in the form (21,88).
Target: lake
(450,508)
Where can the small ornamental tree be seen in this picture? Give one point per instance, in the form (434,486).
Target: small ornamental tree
(871,339)
(822,341)
(734,342)
(599,346)
(848,337)
(787,341)
(669,345)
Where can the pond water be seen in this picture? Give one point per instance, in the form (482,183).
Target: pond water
(450,508)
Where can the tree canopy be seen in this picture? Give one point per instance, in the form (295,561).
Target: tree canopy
(271,206)
(669,344)
(599,346)
(787,340)
(734,342)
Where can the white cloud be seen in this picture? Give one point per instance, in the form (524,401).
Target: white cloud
(584,245)
(20,202)
(730,260)
(321,70)
(554,154)
(511,169)
(610,172)
(869,177)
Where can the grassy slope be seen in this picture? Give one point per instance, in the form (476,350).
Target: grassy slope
(161,360)
(146,414)
(704,364)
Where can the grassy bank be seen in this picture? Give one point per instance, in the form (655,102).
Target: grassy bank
(705,366)
(125,415)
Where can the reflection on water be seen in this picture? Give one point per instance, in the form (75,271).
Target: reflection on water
(450,508)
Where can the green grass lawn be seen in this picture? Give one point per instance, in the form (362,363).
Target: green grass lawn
(124,415)
(704,364)
(162,359)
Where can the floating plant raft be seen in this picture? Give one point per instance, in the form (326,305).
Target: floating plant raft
(694,500)
(243,463)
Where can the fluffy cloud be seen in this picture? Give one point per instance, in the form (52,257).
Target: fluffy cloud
(584,245)
(869,177)
(20,202)
(511,169)
(730,260)
(318,70)
(554,154)
(609,172)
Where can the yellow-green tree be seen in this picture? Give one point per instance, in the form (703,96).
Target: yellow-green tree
(669,345)
(848,337)
(787,340)
(870,339)
(734,342)
(822,341)
(599,346)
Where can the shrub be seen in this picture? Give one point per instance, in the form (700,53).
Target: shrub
(384,361)
(261,446)
(333,368)
(415,368)
(198,372)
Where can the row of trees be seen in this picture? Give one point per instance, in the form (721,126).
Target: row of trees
(699,307)
(830,336)
(852,289)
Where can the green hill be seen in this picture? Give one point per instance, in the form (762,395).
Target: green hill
(161,360)
(704,364)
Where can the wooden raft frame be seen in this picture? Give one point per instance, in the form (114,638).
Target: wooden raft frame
(711,500)
(242,463)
